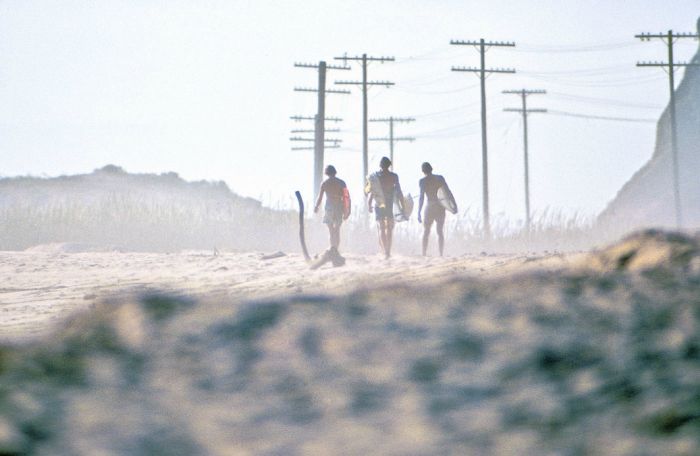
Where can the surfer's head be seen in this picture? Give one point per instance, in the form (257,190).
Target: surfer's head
(330,171)
(384,163)
(427,169)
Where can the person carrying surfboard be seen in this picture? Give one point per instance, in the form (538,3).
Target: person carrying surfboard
(439,198)
(337,206)
(383,188)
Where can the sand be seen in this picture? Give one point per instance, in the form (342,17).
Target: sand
(485,355)
(46,284)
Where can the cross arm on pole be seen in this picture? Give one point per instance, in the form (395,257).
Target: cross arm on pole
(525,92)
(327,119)
(486,43)
(327,130)
(393,119)
(650,36)
(316,66)
(369,83)
(298,138)
(367,58)
(665,64)
(488,70)
(306,89)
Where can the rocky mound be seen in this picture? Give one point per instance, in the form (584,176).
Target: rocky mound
(646,200)
(647,251)
(579,362)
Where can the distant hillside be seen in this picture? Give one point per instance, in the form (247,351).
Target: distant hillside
(647,198)
(111,207)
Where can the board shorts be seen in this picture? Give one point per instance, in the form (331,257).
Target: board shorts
(434,213)
(333,214)
(384,213)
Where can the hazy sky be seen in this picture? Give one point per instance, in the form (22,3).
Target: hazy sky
(205,89)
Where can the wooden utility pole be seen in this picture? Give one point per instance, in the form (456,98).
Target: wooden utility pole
(319,121)
(670,38)
(482,71)
(392,139)
(525,111)
(365,85)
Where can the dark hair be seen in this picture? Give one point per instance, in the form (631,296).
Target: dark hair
(384,163)
(426,167)
(330,170)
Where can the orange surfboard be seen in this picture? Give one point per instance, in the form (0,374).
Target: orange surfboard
(346,203)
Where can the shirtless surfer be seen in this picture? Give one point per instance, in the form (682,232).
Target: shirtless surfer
(335,211)
(434,210)
(384,210)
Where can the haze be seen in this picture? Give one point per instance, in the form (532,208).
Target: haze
(205,89)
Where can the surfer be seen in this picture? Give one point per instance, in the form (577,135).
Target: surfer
(336,209)
(383,189)
(435,209)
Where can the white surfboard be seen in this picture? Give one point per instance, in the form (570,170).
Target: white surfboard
(374,187)
(403,215)
(447,199)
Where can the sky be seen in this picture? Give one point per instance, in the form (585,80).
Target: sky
(205,89)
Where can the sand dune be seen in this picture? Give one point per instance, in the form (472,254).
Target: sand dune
(595,354)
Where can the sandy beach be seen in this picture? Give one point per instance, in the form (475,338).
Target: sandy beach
(46,284)
(201,354)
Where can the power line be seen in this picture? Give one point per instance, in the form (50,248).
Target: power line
(445,111)
(596,117)
(603,101)
(436,92)
(620,82)
(583,71)
(601,47)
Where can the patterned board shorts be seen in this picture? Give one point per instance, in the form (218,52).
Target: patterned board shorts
(384,213)
(333,214)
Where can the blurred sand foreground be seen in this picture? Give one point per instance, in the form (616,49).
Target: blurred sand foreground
(46,284)
(588,355)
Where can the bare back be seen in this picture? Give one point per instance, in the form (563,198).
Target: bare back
(430,185)
(390,184)
(333,187)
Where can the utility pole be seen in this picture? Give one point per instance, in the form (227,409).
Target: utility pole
(482,71)
(670,38)
(525,111)
(365,84)
(392,138)
(319,121)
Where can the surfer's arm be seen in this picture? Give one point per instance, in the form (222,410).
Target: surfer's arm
(421,199)
(370,198)
(320,198)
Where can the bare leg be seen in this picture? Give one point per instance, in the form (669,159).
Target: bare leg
(389,236)
(439,227)
(330,233)
(427,224)
(381,228)
(335,235)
